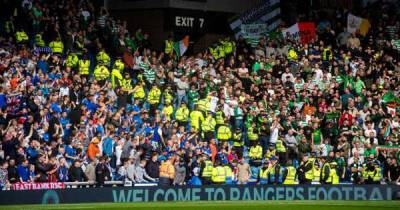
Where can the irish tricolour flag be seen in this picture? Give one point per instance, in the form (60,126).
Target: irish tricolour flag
(180,47)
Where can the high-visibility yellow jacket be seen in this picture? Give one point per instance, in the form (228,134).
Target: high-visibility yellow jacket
(224,133)
(103,57)
(57,47)
(154,96)
(84,66)
(21,36)
(116,77)
(255,152)
(101,73)
(182,114)
(168,111)
(196,118)
(291,175)
(218,174)
(208,169)
(208,124)
(72,60)
(169,47)
(139,92)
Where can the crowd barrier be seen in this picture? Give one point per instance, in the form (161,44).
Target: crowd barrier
(203,193)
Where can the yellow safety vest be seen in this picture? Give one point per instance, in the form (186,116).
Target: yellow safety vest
(255,152)
(251,134)
(21,36)
(264,173)
(119,65)
(167,111)
(279,146)
(329,180)
(39,41)
(182,114)
(292,55)
(139,93)
(101,73)
(377,176)
(126,85)
(219,118)
(228,47)
(169,46)
(324,53)
(196,118)
(333,176)
(228,173)
(218,174)
(203,105)
(208,169)
(237,140)
(72,60)
(208,124)
(116,77)
(224,133)
(57,47)
(317,174)
(310,174)
(154,96)
(291,175)
(84,67)
(214,52)
(103,56)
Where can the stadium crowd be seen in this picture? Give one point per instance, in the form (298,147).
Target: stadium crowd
(84,99)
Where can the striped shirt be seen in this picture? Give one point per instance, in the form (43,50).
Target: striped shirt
(149,75)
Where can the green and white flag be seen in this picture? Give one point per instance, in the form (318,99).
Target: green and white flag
(266,12)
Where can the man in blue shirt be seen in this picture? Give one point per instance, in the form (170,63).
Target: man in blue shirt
(23,171)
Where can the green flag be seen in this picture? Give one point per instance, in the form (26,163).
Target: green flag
(389,97)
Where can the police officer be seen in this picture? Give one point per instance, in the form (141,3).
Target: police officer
(224,134)
(255,155)
(208,126)
(306,170)
(325,177)
(289,174)
(263,173)
(218,175)
(83,66)
(206,169)
(275,173)
(238,142)
(182,114)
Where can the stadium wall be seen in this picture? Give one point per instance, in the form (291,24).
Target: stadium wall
(205,193)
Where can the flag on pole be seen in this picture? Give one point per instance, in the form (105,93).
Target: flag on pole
(181,46)
(267,12)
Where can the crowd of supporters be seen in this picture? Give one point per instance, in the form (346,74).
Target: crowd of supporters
(82,98)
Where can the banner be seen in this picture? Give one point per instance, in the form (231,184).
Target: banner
(302,32)
(355,23)
(38,186)
(203,193)
(267,12)
(253,32)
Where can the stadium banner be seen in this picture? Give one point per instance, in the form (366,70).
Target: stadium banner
(303,32)
(267,12)
(37,186)
(204,193)
(253,32)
